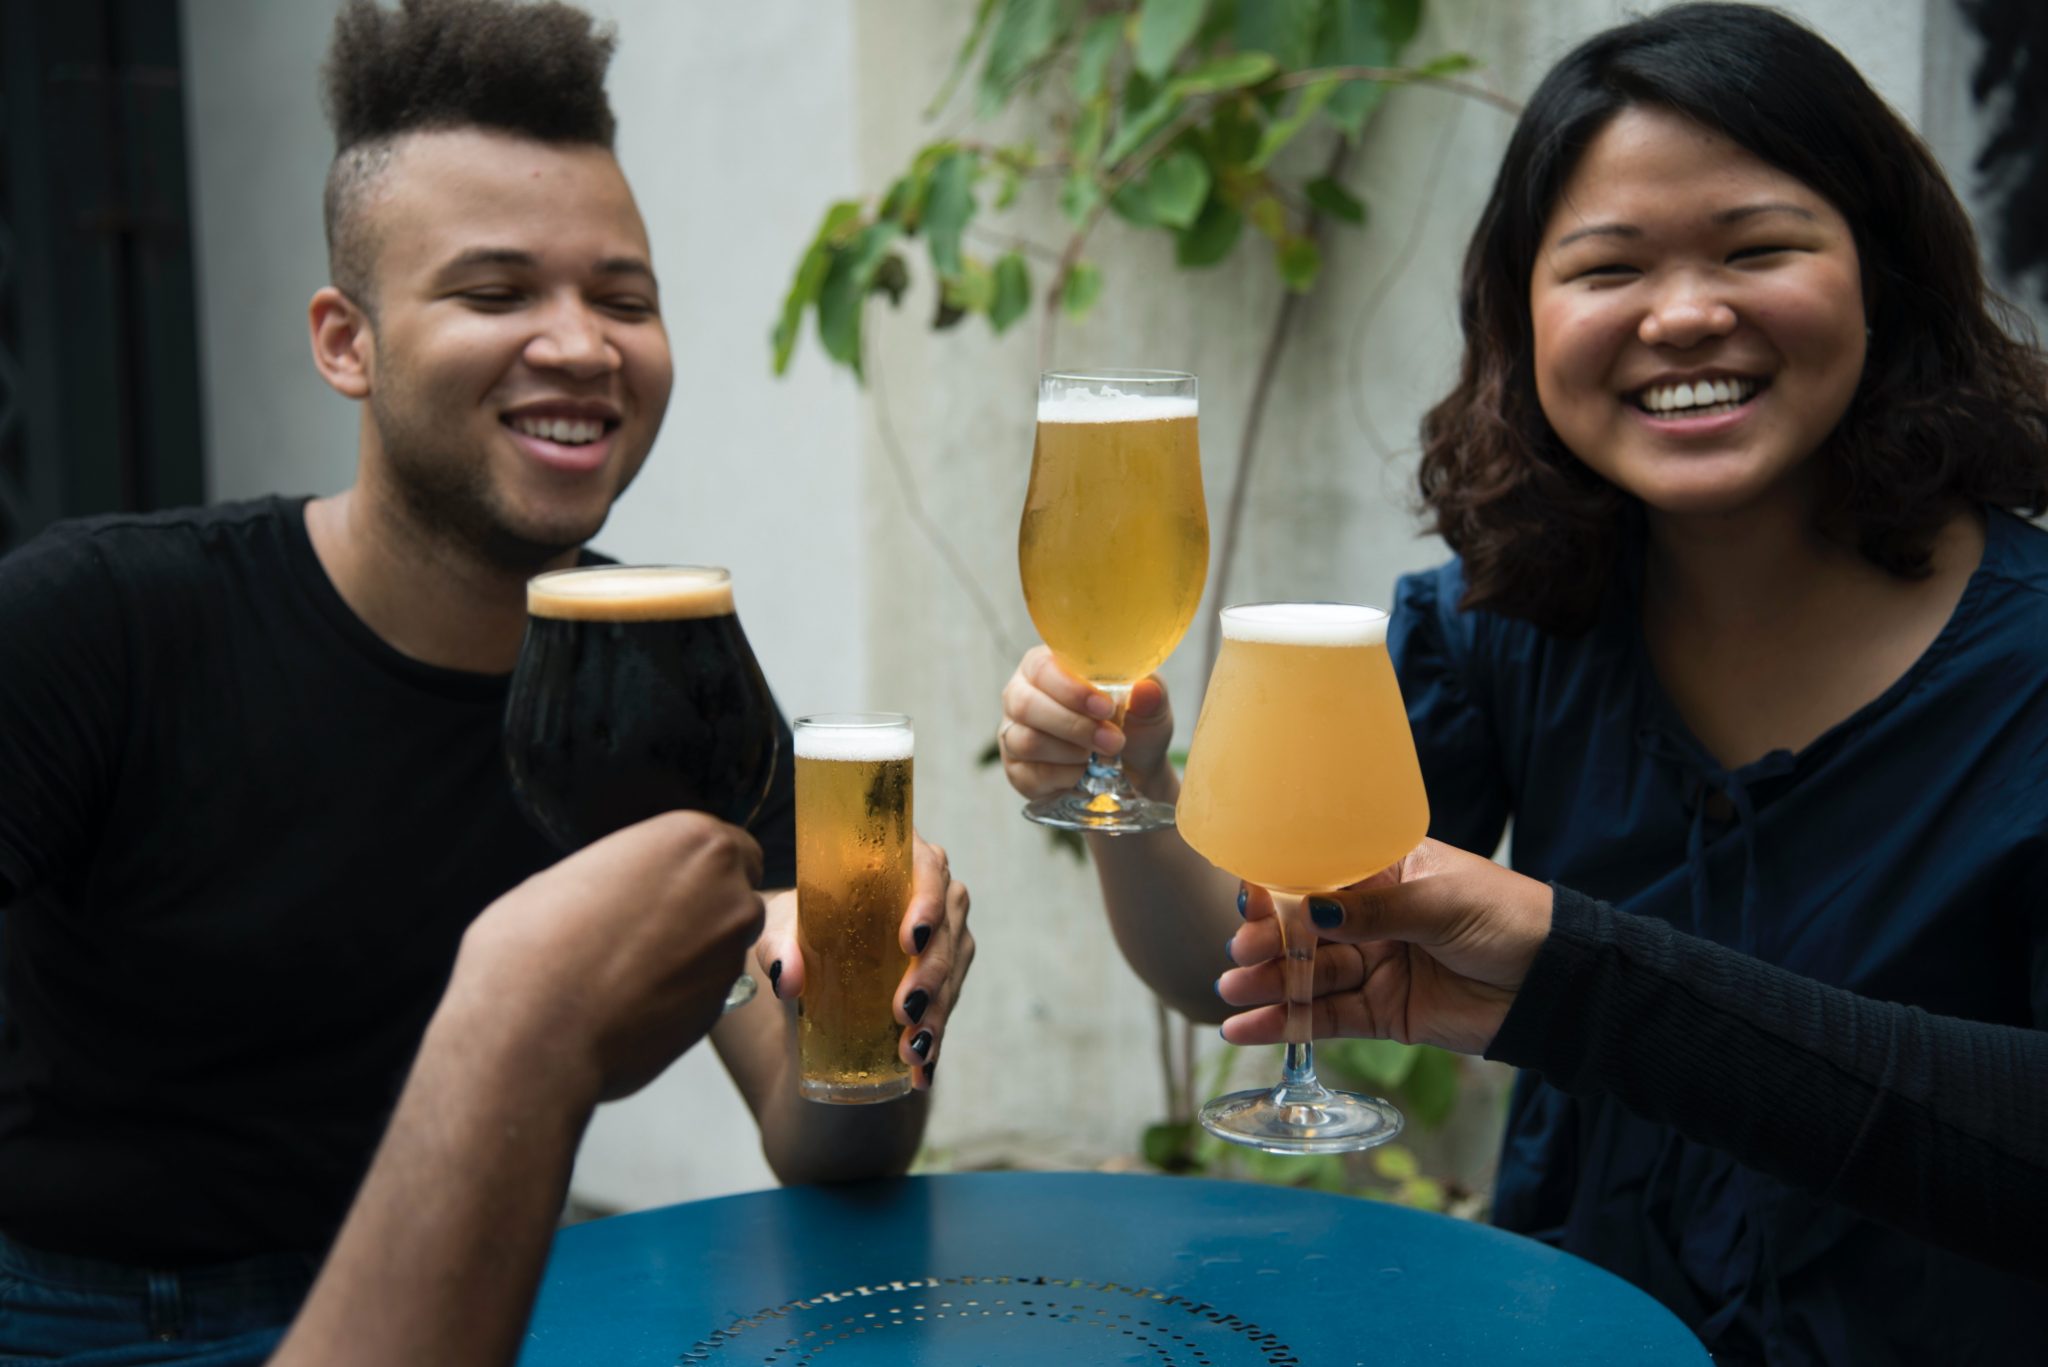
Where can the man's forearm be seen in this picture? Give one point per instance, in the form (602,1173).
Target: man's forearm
(441,1253)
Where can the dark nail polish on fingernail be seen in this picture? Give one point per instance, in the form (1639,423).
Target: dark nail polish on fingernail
(931,1070)
(1243,896)
(921,1043)
(775,978)
(1227,951)
(921,937)
(914,1005)
(1326,914)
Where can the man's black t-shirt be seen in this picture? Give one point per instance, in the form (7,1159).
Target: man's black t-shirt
(240,839)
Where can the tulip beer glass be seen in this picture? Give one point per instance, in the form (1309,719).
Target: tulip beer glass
(1302,778)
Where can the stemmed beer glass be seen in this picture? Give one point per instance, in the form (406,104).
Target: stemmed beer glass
(1113,551)
(1302,778)
(635,694)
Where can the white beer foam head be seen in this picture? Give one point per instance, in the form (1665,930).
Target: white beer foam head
(1104,402)
(631,593)
(867,737)
(1306,624)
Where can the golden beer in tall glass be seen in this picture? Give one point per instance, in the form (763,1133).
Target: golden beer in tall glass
(1113,549)
(853,867)
(1302,778)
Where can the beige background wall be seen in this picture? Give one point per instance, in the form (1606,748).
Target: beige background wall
(738,124)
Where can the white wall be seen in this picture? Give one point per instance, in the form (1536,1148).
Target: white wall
(738,124)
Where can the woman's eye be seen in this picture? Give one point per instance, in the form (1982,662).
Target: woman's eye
(630,307)
(1754,253)
(490,298)
(1608,270)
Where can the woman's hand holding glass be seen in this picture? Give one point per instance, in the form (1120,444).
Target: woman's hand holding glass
(933,933)
(1430,951)
(1053,721)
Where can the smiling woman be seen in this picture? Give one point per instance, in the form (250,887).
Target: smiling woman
(1742,635)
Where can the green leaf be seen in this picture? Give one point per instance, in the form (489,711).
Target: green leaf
(1176,186)
(1084,143)
(1281,131)
(1269,216)
(1450,64)
(1079,196)
(1084,283)
(1365,33)
(1137,128)
(1284,28)
(1395,1163)
(974,34)
(1431,1092)
(845,290)
(892,277)
(973,290)
(1211,237)
(1164,28)
(1099,42)
(810,278)
(1026,32)
(1233,133)
(1336,201)
(1234,72)
(1379,1065)
(1013,292)
(1169,1146)
(948,206)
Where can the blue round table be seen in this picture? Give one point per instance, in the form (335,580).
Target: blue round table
(1048,1270)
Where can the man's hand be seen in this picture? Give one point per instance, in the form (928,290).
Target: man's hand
(1430,951)
(617,959)
(933,932)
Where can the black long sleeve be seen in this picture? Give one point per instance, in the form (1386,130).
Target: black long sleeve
(1935,1125)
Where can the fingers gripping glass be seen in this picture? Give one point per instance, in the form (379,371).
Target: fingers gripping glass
(1302,778)
(1113,550)
(635,694)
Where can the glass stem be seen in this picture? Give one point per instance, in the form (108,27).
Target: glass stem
(1106,774)
(1298,1084)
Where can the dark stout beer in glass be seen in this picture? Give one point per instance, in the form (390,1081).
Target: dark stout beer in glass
(636,693)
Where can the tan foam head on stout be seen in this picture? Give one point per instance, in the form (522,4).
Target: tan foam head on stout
(630,593)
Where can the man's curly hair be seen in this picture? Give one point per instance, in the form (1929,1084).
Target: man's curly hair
(535,70)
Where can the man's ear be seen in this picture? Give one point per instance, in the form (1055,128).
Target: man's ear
(342,342)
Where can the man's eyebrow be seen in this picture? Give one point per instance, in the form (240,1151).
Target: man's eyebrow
(514,256)
(1726,216)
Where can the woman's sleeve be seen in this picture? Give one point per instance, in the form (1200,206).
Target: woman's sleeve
(1437,657)
(1936,1125)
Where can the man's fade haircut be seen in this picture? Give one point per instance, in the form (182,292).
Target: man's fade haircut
(534,70)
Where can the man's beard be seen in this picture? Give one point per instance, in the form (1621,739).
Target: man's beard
(452,502)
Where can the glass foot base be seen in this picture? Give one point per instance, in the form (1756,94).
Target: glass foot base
(742,992)
(1330,1122)
(1108,813)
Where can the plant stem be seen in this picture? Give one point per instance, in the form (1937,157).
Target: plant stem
(1248,444)
(1392,75)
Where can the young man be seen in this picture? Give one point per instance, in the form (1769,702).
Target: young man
(250,755)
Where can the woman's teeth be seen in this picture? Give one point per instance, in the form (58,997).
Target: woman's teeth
(1699,399)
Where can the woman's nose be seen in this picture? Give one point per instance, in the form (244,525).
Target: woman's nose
(1685,314)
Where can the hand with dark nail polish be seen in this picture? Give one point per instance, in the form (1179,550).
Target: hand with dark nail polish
(921,937)
(1326,914)
(775,979)
(921,1043)
(914,1005)
(1243,896)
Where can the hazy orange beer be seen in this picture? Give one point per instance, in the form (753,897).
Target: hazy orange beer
(853,871)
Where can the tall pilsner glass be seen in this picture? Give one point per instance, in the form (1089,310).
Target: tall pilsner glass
(1114,550)
(635,694)
(853,867)
(1302,778)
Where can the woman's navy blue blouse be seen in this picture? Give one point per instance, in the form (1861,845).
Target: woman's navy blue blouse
(1902,855)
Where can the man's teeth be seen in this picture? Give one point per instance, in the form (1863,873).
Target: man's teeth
(563,431)
(1704,394)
